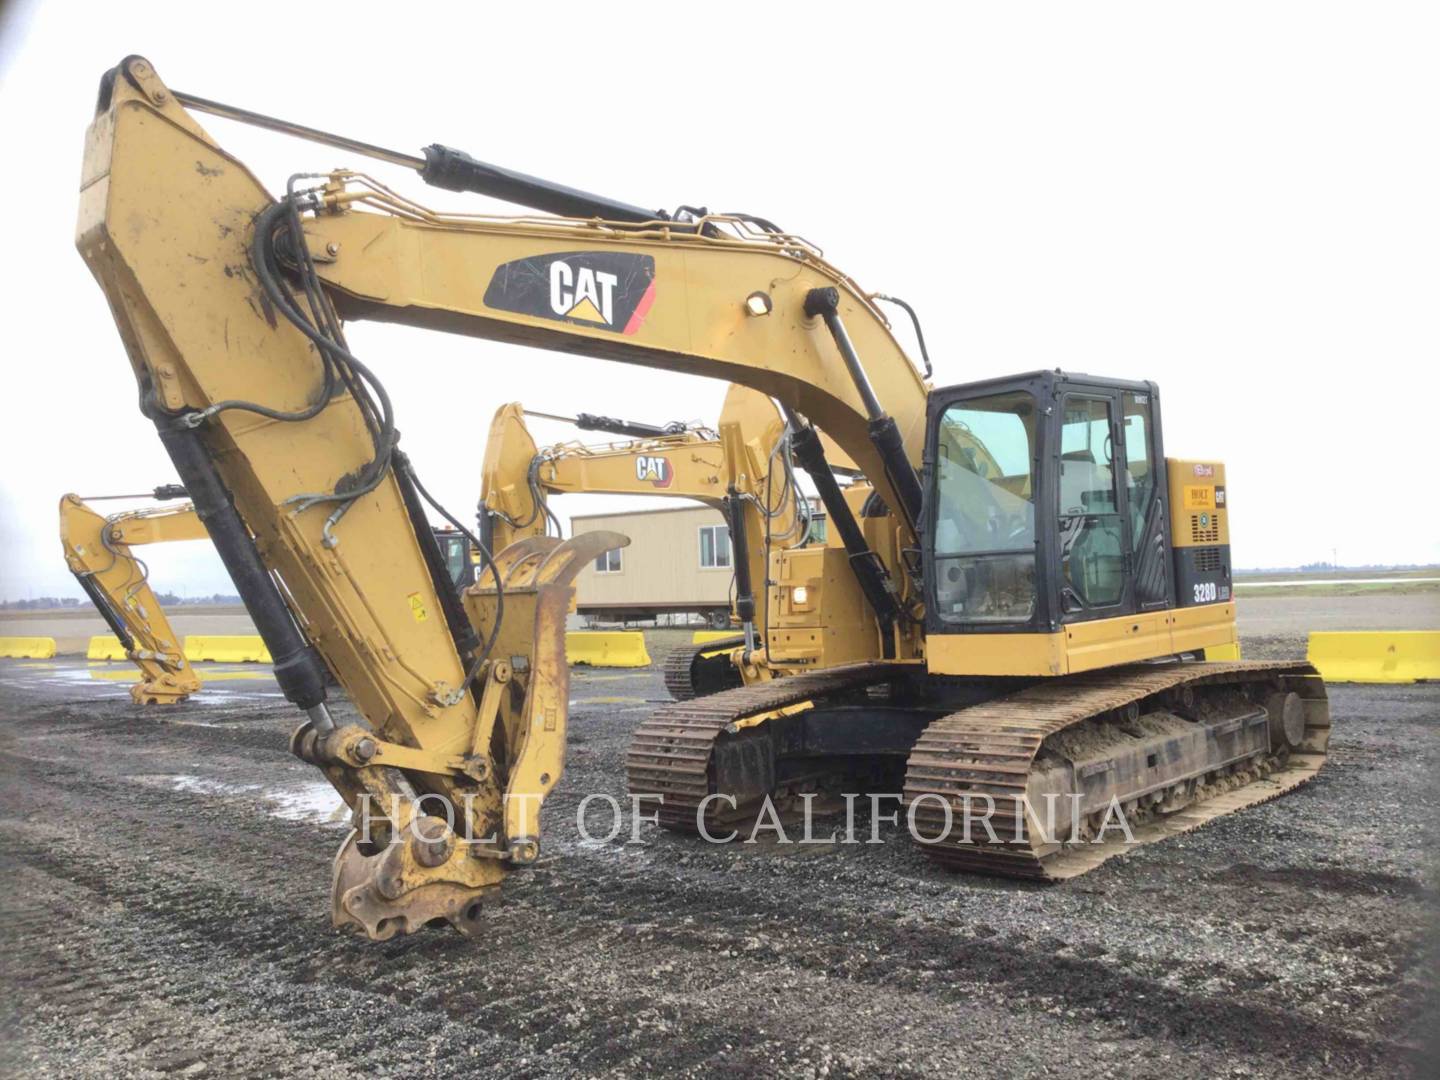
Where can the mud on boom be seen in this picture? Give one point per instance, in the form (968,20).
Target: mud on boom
(1011,609)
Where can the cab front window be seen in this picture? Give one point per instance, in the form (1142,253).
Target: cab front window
(984,521)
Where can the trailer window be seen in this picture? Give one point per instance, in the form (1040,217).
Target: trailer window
(714,547)
(984,520)
(608,562)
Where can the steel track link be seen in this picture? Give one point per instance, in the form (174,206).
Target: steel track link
(988,750)
(670,754)
(680,674)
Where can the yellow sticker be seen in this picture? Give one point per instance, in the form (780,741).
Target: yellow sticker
(417,607)
(1199,498)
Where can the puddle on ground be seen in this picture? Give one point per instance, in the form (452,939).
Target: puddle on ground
(130,674)
(607,848)
(126,674)
(316,803)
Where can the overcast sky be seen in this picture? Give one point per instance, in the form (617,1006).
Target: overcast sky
(1238,201)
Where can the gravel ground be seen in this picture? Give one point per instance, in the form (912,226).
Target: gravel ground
(165,912)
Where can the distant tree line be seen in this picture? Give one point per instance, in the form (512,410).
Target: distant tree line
(41,603)
(214,598)
(1326,567)
(49,603)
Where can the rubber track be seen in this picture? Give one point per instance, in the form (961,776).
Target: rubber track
(670,753)
(988,750)
(680,665)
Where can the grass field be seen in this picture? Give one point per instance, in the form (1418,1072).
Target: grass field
(1337,582)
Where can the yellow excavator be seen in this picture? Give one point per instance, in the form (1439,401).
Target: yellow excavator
(744,468)
(1022,625)
(97,550)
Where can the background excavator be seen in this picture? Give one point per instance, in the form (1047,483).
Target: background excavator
(743,469)
(97,550)
(1018,624)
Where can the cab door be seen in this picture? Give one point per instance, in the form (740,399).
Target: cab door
(1144,497)
(1097,549)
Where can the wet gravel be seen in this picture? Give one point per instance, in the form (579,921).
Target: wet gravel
(162,915)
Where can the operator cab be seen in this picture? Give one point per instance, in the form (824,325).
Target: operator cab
(459,561)
(1047,504)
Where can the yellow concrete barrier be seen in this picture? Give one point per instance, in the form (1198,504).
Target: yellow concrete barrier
(607,648)
(105,647)
(702,636)
(226,648)
(27,648)
(1223,652)
(1383,656)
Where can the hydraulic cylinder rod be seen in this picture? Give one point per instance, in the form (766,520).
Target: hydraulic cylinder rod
(739,549)
(451,169)
(297,669)
(874,582)
(107,612)
(629,428)
(884,433)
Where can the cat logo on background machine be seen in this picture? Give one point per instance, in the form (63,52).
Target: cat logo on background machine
(607,290)
(655,469)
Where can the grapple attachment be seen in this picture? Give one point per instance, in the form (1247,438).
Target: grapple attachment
(435,831)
